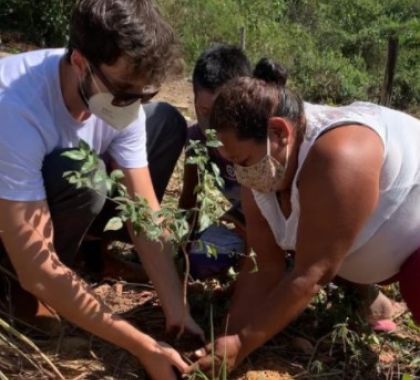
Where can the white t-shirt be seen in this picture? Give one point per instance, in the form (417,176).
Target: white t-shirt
(34,121)
(392,232)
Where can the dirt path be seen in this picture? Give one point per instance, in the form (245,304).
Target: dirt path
(179,93)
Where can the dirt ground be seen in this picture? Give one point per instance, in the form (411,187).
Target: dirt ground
(179,93)
(77,355)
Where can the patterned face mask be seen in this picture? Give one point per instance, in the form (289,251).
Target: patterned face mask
(266,175)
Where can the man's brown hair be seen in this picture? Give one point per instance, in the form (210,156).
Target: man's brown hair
(105,30)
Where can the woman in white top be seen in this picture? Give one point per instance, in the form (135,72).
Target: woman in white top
(339,186)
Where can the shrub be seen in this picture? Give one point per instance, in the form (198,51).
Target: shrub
(335,51)
(44,22)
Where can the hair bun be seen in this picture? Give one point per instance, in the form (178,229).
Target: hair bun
(271,72)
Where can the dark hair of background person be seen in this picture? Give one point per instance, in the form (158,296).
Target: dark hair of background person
(219,64)
(246,104)
(105,30)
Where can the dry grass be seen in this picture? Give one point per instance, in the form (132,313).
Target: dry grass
(294,354)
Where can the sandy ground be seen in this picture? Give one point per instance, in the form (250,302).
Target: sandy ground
(179,93)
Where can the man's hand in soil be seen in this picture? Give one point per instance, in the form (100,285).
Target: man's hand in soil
(162,362)
(226,352)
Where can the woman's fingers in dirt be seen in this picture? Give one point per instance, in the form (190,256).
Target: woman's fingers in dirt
(205,364)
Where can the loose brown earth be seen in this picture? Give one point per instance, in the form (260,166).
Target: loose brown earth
(180,94)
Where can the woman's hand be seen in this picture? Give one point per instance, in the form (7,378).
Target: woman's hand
(226,353)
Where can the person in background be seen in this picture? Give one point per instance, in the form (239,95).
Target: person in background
(215,66)
(93,91)
(338,186)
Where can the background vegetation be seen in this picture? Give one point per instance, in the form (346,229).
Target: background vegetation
(335,50)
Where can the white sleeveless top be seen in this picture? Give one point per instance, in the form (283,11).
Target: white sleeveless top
(392,232)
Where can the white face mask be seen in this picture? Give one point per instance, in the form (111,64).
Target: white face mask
(266,175)
(100,104)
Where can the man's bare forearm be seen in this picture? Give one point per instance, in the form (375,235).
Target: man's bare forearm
(61,288)
(158,260)
(27,233)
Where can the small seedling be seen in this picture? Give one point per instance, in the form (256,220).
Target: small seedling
(171,222)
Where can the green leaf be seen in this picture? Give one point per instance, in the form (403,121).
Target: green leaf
(191,160)
(71,173)
(109,184)
(211,250)
(89,165)
(114,224)
(204,222)
(232,273)
(77,155)
(215,169)
(415,363)
(374,339)
(83,145)
(214,144)
(99,177)
(117,175)
(407,376)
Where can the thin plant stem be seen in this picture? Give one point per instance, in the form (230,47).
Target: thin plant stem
(19,351)
(187,270)
(28,342)
(213,364)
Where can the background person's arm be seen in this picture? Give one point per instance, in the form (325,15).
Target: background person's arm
(27,233)
(188,198)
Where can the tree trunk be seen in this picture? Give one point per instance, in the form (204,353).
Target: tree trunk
(243,38)
(390,70)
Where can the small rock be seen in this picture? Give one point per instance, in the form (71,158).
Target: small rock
(118,288)
(386,357)
(267,375)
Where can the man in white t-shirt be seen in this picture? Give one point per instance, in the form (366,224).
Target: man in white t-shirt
(49,101)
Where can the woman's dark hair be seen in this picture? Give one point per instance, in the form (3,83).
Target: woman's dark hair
(246,104)
(105,30)
(219,64)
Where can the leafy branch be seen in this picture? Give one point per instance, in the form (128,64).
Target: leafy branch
(168,223)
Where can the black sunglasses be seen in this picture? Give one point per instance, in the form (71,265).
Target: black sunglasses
(121,98)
